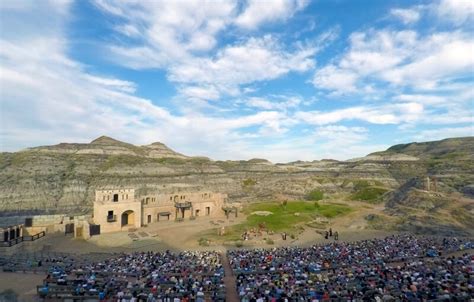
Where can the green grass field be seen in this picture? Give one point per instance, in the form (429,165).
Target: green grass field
(284,218)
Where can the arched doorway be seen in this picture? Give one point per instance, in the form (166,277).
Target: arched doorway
(128,218)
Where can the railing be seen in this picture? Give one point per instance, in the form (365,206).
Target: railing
(180,205)
(111,218)
(36,236)
(22,238)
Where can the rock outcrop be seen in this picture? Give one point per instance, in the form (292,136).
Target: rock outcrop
(62,178)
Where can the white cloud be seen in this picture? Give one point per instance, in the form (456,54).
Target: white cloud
(399,58)
(369,53)
(407,16)
(343,142)
(455,11)
(257,59)
(276,102)
(46,98)
(334,78)
(383,114)
(200,92)
(181,37)
(124,86)
(442,57)
(257,12)
(167,30)
(442,133)
(342,134)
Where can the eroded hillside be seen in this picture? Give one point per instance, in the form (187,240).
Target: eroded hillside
(62,178)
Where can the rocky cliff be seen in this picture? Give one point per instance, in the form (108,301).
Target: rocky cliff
(62,178)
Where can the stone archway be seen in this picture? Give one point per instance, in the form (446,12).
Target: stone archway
(128,218)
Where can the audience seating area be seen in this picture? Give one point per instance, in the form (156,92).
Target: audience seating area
(148,276)
(396,268)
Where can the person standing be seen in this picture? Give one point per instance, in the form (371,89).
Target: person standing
(336,235)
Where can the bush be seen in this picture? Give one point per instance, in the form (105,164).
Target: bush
(315,195)
(239,244)
(248,182)
(361,184)
(269,241)
(203,242)
(370,194)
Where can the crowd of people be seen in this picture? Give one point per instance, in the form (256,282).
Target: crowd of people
(396,268)
(337,254)
(399,267)
(147,276)
(425,279)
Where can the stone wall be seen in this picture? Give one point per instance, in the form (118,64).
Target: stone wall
(102,211)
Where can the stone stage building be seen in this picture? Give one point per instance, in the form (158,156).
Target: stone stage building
(120,209)
(10,232)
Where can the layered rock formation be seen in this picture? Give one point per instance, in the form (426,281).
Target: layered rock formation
(62,178)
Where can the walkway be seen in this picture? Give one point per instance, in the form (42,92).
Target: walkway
(229,280)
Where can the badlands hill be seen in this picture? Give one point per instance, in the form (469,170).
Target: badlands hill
(62,179)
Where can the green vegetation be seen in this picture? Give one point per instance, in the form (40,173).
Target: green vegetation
(120,160)
(203,242)
(199,160)
(369,194)
(287,218)
(368,191)
(170,161)
(21,158)
(290,218)
(360,184)
(321,180)
(249,182)
(315,195)
(463,216)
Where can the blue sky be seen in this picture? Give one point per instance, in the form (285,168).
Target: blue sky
(282,80)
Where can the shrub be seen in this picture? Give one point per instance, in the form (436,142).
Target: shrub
(203,242)
(361,184)
(370,194)
(239,244)
(315,195)
(248,182)
(269,241)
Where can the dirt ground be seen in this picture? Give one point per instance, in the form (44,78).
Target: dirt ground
(22,284)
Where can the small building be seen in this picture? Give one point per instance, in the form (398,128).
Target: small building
(120,209)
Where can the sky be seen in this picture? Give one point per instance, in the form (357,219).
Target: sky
(283,80)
